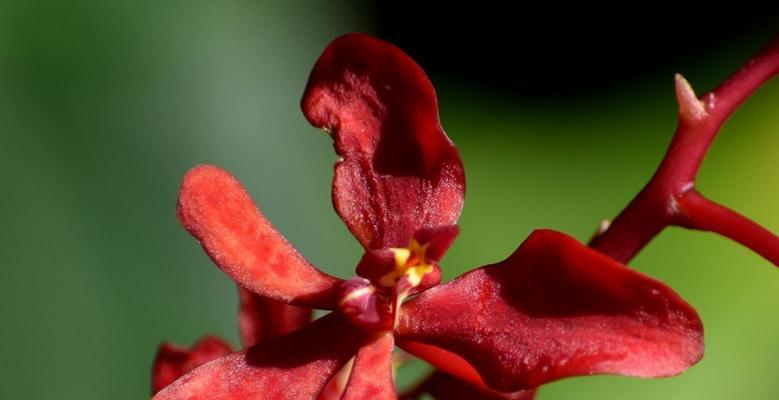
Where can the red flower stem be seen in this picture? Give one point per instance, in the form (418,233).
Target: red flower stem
(704,214)
(657,205)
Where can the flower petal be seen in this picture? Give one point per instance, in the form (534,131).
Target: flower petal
(556,308)
(217,211)
(171,361)
(261,319)
(398,172)
(335,387)
(444,360)
(295,366)
(371,377)
(437,240)
(446,387)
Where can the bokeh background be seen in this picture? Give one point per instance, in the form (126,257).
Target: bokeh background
(104,105)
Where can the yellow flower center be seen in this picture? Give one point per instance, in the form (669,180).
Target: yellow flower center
(409,262)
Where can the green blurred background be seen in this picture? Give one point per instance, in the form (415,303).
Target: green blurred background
(105,105)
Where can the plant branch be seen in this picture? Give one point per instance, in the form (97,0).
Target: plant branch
(698,212)
(657,205)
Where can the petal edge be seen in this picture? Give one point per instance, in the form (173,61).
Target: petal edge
(293,367)
(399,171)
(215,208)
(556,308)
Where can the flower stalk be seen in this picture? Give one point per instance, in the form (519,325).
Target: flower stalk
(670,197)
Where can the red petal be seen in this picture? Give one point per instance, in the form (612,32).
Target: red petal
(437,239)
(374,264)
(335,387)
(399,171)
(261,319)
(446,387)
(295,367)
(556,308)
(215,208)
(371,376)
(444,360)
(174,361)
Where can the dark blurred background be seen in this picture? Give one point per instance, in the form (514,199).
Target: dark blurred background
(556,49)
(560,115)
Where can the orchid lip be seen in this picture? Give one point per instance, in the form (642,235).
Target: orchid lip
(372,302)
(413,268)
(363,306)
(410,263)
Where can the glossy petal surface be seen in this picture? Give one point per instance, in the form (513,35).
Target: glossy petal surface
(261,319)
(446,387)
(556,308)
(444,360)
(371,377)
(398,172)
(215,208)
(436,240)
(171,361)
(294,367)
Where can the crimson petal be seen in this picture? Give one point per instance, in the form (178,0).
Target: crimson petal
(398,172)
(261,319)
(335,387)
(217,211)
(171,361)
(295,366)
(446,387)
(437,239)
(371,377)
(556,308)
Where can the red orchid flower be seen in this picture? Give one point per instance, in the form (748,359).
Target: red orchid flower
(553,309)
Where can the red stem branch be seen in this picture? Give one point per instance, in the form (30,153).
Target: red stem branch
(698,212)
(700,119)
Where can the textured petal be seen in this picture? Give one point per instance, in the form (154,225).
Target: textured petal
(446,387)
(445,360)
(174,361)
(217,211)
(261,319)
(371,377)
(556,308)
(335,387)
(436,240)
(376,263)
(295,367)
(398,172)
